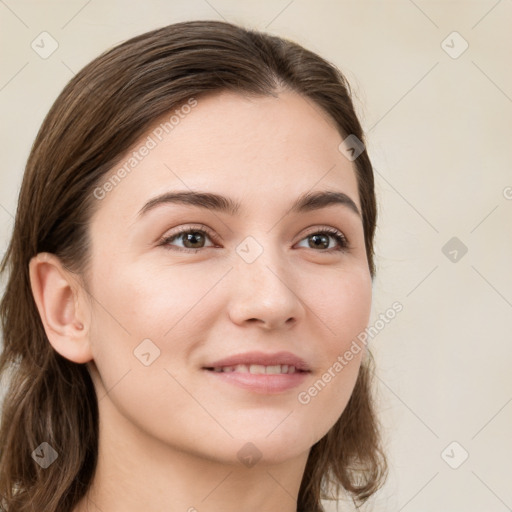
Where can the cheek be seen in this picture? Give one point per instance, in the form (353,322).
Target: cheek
(344,309)
(342,304)
(149,302)
(149,315)
(142,334)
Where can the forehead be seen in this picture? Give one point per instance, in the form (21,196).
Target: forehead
(259,150)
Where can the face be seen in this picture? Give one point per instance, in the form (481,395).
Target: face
(211,327)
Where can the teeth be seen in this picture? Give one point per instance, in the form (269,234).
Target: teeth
(257,369)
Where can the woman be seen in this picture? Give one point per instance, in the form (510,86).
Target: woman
(189,273)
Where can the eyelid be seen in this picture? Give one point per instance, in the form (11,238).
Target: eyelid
(186,229)
(319,229)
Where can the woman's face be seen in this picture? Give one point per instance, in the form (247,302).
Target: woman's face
(261,285)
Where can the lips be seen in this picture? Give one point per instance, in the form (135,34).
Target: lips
(260,373)
(256,369)
(260,363)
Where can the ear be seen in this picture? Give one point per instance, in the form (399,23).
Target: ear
(61,304)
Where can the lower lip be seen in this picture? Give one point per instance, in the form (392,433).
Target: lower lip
(262,383)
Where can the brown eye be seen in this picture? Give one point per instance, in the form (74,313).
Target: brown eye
(321,239)
(192,239)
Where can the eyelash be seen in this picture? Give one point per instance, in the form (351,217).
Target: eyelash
(165,242)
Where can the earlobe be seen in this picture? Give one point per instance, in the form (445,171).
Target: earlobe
(60,306)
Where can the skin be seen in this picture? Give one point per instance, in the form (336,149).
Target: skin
(170,432)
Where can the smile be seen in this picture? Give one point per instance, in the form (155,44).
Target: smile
(257,369)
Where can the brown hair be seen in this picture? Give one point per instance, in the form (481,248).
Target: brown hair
(101,113)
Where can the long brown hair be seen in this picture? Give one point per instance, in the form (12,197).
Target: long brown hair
(105,109)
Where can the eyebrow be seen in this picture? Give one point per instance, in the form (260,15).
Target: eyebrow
(307,202)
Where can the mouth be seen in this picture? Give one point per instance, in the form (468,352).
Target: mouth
(257,369)
(259,372)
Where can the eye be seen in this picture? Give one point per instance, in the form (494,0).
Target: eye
(193,239)
(321,239)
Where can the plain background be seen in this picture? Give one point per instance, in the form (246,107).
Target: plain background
(438,118)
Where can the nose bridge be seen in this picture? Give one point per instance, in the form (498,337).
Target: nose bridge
(263,287)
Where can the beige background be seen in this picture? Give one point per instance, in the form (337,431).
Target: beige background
(439,134)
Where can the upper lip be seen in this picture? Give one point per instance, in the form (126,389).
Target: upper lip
(262,358)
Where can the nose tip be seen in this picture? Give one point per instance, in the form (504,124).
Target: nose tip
(263,296)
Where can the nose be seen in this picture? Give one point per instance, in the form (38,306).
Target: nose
(263,293)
